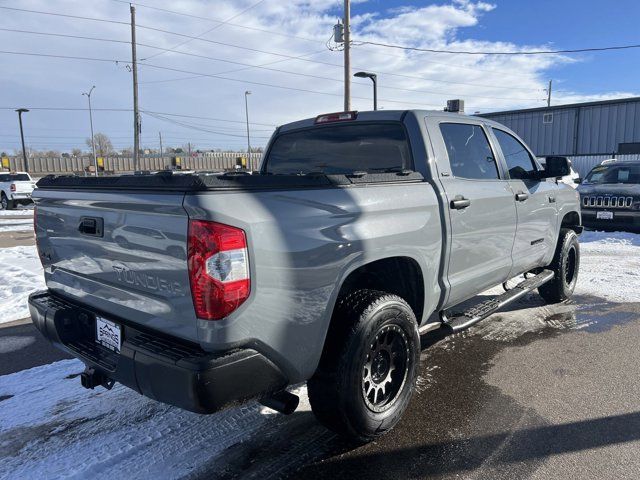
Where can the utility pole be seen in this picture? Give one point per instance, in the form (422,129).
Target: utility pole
(160,135)
(93,142)
(246,111)
(347,53)
(24,150)
(136,114)
(549,94)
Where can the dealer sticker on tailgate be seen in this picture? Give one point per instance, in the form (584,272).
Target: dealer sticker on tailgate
(108,334)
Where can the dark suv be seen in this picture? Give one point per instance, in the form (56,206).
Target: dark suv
(610,196)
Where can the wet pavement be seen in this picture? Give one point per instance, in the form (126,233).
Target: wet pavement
(536,391)
(525,392)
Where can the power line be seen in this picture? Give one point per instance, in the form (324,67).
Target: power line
(290,57)
(264,84)
(79,17)
(529,52)
(73,109)
(195,127)
(208,31)
(228,23)
(235,69)
(247,66)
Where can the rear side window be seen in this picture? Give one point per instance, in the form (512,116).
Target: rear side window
(341,149)
(470,154)
(519,162)
(14,177)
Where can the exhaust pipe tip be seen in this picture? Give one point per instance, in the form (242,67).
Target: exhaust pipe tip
(283,402)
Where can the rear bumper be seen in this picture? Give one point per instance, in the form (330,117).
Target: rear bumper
(21,197)
(627,220)
(160,367)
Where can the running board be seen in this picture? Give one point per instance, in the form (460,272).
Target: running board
(479,312)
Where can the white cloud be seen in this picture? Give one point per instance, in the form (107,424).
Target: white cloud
(485,82)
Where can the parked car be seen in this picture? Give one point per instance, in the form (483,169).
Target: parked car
(16,188)
(573,179)
(325,266)
(610,196)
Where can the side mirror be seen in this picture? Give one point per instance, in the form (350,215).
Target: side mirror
(577,180)
(556,167)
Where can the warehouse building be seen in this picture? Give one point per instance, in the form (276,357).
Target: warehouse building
(586,132)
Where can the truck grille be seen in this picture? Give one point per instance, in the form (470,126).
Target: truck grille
(607,201)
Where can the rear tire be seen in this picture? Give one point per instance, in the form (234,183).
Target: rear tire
(5,203)
(565,265)
(369,365)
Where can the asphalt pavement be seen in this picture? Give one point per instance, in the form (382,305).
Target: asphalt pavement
(534,392)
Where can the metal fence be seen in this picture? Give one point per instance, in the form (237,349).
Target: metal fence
(40,166)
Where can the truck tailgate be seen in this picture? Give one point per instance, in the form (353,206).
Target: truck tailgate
(23,186)
(123,253)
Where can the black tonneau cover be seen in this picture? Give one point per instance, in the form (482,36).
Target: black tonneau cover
(201,181)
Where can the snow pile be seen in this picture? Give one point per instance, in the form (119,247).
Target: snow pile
(20,274)
(610,266)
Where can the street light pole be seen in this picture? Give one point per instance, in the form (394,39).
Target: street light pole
(24,150)
(246,109)
(93,141)
(374,79)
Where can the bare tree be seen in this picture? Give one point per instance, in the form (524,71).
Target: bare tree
(51,154)
(76,152)
(103,144)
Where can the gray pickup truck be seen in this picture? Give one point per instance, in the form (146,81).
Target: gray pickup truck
(360,232)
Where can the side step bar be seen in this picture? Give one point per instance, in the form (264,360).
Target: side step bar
(479,312)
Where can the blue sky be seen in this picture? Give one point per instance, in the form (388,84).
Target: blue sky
(273,31)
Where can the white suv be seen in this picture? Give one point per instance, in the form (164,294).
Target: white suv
(15,189)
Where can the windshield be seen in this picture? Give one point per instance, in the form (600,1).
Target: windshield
(341,149)
(614,174)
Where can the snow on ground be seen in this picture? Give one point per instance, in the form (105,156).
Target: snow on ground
(16,225)
(18,211)
(20,274)
(610,266)
(53,428)
(50,427)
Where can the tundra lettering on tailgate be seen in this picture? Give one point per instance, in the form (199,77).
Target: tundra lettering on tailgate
(150,282)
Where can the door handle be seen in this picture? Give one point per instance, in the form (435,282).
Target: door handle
(460,202)
(521,197)
(552,199)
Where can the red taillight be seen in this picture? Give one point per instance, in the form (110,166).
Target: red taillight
(13,187)
(218,268)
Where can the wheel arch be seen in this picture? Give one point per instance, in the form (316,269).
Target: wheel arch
(397,275)
(573,221)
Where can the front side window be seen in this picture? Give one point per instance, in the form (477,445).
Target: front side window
(519,161)
(341,149)
(470,154)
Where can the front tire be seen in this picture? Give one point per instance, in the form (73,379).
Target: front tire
(368,368)
(565,265)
